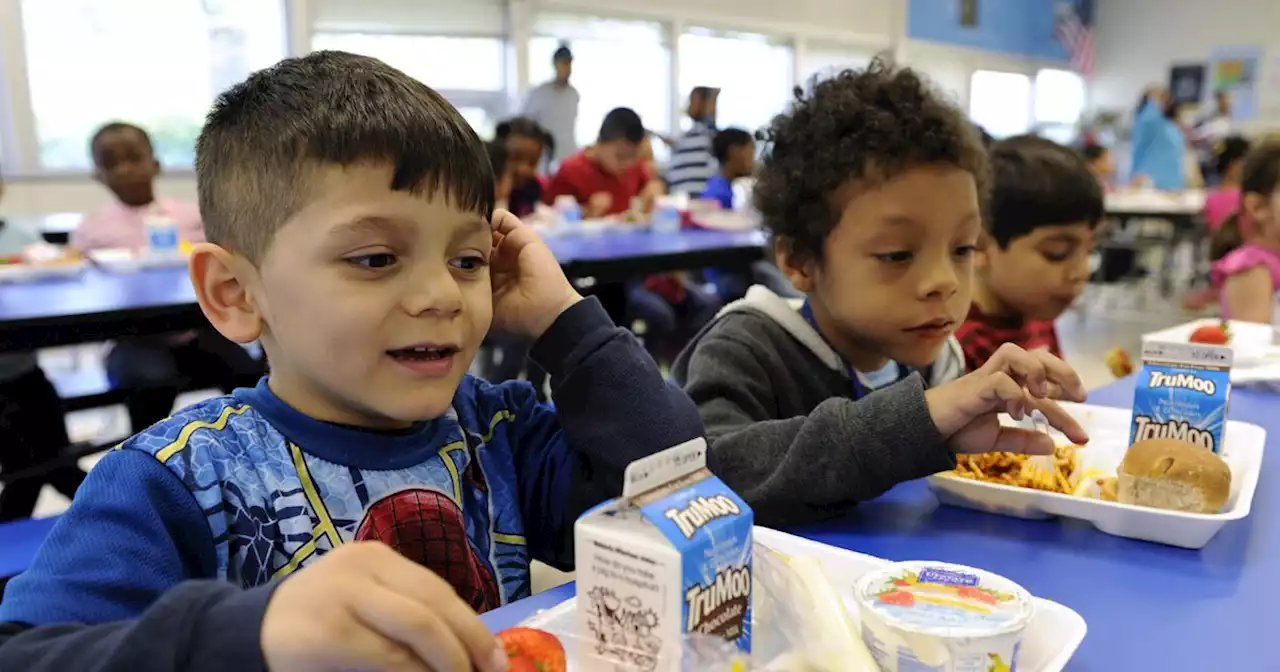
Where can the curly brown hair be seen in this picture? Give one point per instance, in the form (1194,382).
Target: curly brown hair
(862,127)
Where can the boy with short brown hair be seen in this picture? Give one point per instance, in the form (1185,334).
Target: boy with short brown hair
(349,212)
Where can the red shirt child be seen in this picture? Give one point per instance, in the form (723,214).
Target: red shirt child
(607,175)
(981,335)
(585,179)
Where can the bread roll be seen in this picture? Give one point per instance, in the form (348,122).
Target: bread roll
(1173,474)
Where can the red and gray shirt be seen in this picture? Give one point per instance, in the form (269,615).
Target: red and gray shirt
(981,335)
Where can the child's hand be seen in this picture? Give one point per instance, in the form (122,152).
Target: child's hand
(1013,381)
(365,607)
(529,289)
(598,204)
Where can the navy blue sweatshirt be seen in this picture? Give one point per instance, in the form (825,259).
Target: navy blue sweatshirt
(167,558)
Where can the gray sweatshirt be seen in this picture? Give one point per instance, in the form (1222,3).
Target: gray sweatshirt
(783,434)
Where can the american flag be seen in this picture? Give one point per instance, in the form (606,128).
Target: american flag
(1073,27)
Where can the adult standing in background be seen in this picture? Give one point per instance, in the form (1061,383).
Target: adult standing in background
(1210,131)
(692,162)
(554,105)
(1159,144)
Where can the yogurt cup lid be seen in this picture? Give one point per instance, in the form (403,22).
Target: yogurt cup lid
(943,599)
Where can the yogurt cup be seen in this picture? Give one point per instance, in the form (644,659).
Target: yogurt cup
(942,617)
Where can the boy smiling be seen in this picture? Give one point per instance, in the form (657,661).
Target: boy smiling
(349,214)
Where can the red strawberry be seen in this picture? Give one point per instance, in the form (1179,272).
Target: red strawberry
(899,597)
(540,648)
(1212,334)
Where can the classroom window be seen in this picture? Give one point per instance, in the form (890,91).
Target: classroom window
(468,71)
(155,63)
(1000,102)
(441,62)
(1059,104)
(753,72)
(615,64)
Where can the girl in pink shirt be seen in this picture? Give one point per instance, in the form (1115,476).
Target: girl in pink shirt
(1220,204)
(1248,273)
(1224,201)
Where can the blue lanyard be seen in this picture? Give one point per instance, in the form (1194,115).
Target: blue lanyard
(807,312)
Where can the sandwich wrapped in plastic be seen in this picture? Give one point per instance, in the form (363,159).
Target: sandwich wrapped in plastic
(799,624)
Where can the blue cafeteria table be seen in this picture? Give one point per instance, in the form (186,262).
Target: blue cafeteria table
(1148,607)
(100,306)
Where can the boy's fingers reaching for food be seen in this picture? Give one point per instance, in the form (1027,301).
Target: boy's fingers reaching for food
(1043,374)
(1021,440)
(1062,421)
(1019,364)
(1064,382)
(1002,393)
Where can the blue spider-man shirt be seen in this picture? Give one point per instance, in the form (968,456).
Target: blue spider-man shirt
(243,489)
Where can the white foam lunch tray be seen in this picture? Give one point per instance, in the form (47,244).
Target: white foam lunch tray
(1156,202)
(1054,634)
(123,260)
(1108,430)
(1251,343)
(33,272)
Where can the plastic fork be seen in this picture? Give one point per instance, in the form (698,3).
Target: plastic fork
(1040,469)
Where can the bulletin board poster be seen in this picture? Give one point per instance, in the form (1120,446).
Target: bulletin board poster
(1236,71)
(1186,82)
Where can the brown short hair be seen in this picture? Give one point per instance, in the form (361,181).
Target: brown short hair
(264,136)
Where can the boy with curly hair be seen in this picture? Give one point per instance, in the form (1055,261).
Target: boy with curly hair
(871,186)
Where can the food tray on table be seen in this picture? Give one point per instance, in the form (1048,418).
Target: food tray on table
(1251,343)
(121,260)
(1108,430)
(34,272)
(1054,634)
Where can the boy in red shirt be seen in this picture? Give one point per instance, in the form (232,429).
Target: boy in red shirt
(607,175)
(1033,261)
(604,178)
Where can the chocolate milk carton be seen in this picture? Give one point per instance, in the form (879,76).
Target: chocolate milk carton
(671,556)
(1182,393)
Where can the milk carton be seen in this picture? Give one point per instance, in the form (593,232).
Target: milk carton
(671,556)
(162,235)
(1182,393)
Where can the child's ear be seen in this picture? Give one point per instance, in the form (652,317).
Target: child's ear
(983,250)
(799,268)
(223,282)
(1257,206)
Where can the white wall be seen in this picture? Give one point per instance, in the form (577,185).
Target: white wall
(1137,41)
(863,25)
